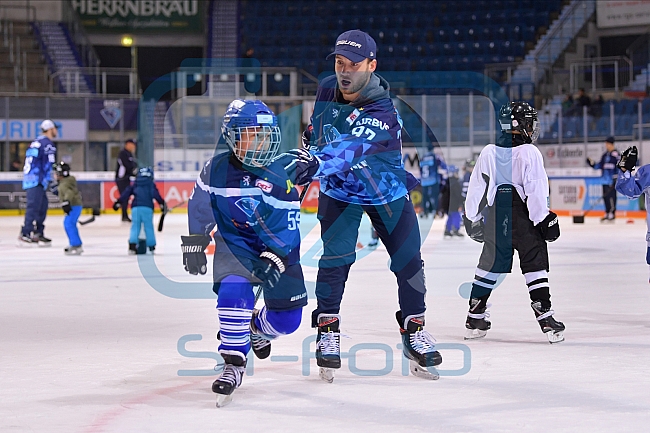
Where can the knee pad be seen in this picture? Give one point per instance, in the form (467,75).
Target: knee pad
(235,292)
(275,323)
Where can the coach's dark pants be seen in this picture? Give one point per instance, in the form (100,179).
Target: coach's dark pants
(397,227)
(609,196)
(36,210)
(122,184)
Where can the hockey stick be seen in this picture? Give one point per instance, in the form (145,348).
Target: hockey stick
(580,219)
(162,217)
(91,219)
(88,221)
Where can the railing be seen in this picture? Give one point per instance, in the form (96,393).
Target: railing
(601,73)
(104,78)
(30,12)
(88,54)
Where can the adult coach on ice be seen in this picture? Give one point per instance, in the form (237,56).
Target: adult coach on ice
(126,167)
(355,104)
(39,162)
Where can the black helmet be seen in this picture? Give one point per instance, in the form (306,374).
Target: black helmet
(520,117)
(63,169)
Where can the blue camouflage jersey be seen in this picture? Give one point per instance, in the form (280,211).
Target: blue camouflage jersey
(374,123)
(252,209)
(39,159)
(607,164)
(432,168)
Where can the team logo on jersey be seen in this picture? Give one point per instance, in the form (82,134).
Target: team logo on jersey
(264,185)
(330,133)
(246,180)
(335,112)
(247,205)
(353,116)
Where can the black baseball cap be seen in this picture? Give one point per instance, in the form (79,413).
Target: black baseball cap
(355,45)
(609,140)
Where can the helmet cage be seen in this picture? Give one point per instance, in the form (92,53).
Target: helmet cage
(254,146)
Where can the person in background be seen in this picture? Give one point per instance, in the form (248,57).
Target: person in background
(607,164)
(144,192)
(39,160)
(126,167)
(71,205)
(455,203)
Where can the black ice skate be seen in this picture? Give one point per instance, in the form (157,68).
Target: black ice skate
(553,329)
(231,377)
(419,347)
(477,324)
(42,240)
(260,344)
(457,233)
(26,241)
(328,346)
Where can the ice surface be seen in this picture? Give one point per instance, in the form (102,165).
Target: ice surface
(88,345)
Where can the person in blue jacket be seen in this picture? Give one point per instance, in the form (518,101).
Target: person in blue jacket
(355,104)
(607,164)
(39,162)
(144,192)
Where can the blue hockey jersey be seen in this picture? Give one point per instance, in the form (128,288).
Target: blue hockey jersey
(607,164)
(252,209)
(373,121)
(39,159)
(144,192)
(433,169)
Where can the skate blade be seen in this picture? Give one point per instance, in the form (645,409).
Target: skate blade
(223,399)
(473,334)
(429,373)
(555,337)
(327,374)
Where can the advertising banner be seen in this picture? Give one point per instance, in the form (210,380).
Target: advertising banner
(622,13)
(140,16)
(12,195)
(29,129)
(580,194)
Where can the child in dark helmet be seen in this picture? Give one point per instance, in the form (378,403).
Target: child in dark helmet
(509,183)
(144,192)
(71,205)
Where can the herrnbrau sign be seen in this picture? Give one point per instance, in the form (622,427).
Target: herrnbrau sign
(140,16)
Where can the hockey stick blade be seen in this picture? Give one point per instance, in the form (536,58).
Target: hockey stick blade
(88,221)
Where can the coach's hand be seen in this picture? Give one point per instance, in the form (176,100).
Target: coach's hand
(193,248)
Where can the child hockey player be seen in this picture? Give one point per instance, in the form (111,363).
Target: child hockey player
(510,181)
(144,192)
(251,202)
(247,195)
(633,185)
(71,205)
(455,203)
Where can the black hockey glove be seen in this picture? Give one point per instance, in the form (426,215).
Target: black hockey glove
(116,205)
(301,166)
(550,227)
(66,207)
(629,159)
(193,248)
(591,162)
(268,268)
(475,230)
